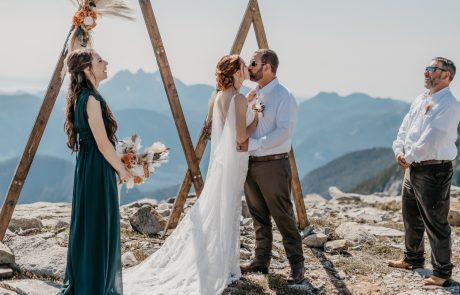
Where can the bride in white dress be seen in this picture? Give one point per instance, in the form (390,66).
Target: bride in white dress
(202,255)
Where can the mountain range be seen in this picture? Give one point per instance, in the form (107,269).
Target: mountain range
(329,125)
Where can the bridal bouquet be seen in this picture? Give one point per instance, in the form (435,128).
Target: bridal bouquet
(141,164)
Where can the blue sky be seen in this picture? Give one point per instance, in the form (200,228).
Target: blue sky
(379,47)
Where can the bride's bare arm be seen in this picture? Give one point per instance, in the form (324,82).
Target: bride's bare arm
(241,107)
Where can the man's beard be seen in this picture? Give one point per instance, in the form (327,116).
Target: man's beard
(431,82)
(254,77)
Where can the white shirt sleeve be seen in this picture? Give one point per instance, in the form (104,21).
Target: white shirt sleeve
(398,144)
(436,130)
(286,118)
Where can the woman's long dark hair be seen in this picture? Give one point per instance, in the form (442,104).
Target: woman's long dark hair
(77,61)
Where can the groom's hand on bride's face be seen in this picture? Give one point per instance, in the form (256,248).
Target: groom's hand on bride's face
(242,147)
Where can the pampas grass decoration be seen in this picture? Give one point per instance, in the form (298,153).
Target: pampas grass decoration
(84,19)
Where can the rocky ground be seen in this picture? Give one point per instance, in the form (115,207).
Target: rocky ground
(346,247)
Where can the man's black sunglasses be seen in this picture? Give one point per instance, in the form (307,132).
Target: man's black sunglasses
(432,69)
(253,63)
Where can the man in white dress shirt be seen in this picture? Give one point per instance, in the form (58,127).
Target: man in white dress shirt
(425,147)
(268,182)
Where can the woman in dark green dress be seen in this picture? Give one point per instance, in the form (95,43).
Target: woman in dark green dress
(94,254)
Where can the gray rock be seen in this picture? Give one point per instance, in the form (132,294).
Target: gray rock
(124,224)
(337,245)
(314,199)
(163,206)
(39,256)
(31,287)
(164,212)
(24,223)
(367,214)
(315,240)
(245,254)
(60,224)
(354,232)
(4,291)
(246,222)
(140,203)
(147,221)
(6,255)
(342,197)
(380,231)
(306,231)
(128,259)
(5,272)
(29,232)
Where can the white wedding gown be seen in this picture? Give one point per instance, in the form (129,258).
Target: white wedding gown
(202,255)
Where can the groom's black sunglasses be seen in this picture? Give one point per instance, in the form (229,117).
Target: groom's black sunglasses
(253,63)
(432,69)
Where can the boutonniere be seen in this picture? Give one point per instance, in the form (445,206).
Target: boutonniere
(259,107)
(428,107)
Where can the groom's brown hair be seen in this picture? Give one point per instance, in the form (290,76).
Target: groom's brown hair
(269,57)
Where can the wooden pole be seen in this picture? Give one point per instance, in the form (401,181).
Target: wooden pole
(31,147)
(243,30)
(171,92)
(258,25)
(302,218)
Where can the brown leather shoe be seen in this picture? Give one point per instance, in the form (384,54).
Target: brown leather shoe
(435,281)
(253,266)
(297,274)
(404,264)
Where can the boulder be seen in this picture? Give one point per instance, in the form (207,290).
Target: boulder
(39,256)
(315,240)
(338,245)
(354,232)
(147,221)
(6,255)
(23,223)
(128,259)
(342,197)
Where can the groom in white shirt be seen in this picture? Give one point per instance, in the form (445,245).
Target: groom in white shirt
(425,147)
(268,182)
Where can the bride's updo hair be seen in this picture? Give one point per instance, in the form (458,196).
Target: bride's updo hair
(226,67)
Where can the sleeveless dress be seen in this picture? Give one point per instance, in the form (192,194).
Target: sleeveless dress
(202,255)
(94,253)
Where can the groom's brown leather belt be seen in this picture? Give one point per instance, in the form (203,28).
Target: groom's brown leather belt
(269,157)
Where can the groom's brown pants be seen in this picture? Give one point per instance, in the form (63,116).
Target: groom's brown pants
(267,190)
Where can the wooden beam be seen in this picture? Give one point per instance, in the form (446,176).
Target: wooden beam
(242,31)
(171,92)
(258,25)
(33,142)
(302,218)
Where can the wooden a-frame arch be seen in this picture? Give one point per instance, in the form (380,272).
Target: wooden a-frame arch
(251,16)
(192,156)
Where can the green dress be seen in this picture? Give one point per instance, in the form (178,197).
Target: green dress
(94,254)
